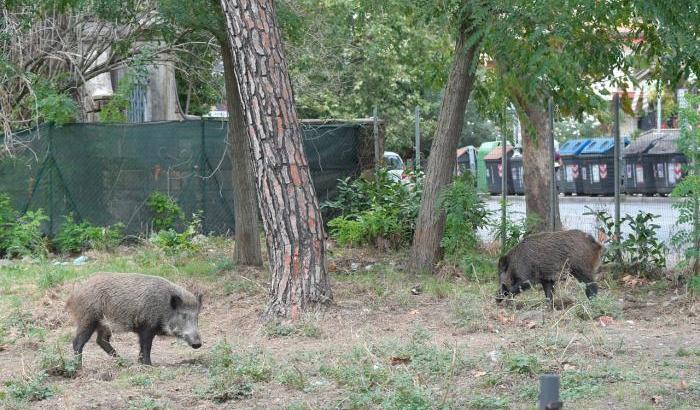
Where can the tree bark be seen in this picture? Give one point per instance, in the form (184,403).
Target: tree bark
(537,168)
(286,197)
(426,250)
(245,205)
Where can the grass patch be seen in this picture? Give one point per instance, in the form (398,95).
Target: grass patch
(232,374)
(601,305)
(522,364)
(147,403)
(395,375)
(57,361)
(294,378)
(488,402)
(29,389)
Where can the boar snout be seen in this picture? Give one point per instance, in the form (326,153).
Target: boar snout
(193,339)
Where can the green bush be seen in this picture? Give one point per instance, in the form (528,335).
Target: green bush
(166,213)
(640,251)
(465,213)
(171,241)
(688,190)
(25,236)
(76,237)
(376,210)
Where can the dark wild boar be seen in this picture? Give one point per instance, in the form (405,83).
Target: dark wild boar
(145,305)
(543,257)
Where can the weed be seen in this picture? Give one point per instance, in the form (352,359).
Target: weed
(55,276)
(297,406)
(25,237)
(140,379)
(467,312)
(172,242)
(522,364)
(165,211)
(688,352)
(601,305)
(74,237)
(277,329)
(30,389)
(232,375)
(488,403)
(56,361)
(146,403)
(294,378)
(465,213)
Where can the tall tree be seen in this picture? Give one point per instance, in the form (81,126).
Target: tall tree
(426,250)
(550,49)
(286,196)
(207,16)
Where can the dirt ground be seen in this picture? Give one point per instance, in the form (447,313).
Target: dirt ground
(390,341)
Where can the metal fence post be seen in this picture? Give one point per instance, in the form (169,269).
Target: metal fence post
(552,175)
(377,154)
(202,178)
(549,392)
(616,171)
(50,177)
(416,165)
(504,189)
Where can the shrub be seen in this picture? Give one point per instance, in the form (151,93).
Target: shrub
(171,241)
(25,236)
(376,211)
(515,231)
(688,190)
(58,362)
(640,251)
(76,237)
(465,213)
(165,211)
(31,388)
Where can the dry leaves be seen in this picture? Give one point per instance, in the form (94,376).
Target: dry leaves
(397,360)
(605,321)
(631,281)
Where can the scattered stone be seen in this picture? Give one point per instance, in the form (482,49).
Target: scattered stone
(80,260)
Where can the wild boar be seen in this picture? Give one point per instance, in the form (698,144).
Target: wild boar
(541,258)
(145,305)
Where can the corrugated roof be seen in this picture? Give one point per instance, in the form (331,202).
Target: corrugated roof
(496,153)
(647,140)
(667,144)
(598,146)
(574,147)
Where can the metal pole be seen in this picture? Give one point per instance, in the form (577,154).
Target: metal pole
(51,164)
(658,106)
(616,169)
(504,189)
(552,175)
(203,180)
(377,156)
(416,165)
(549,392)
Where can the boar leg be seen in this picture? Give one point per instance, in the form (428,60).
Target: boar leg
(548,287)
(103,336)
(591,287)
(145,342)
(82,335)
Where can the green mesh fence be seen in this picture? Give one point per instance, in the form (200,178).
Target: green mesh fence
(104,173)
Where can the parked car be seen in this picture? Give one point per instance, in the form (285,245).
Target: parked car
(394,165)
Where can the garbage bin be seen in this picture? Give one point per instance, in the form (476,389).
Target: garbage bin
(494,170)
(665,161)
(516,173)
(639,174)
(571,181)
(597,165)
(482,178)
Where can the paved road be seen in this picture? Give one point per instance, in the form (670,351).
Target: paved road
(573,208)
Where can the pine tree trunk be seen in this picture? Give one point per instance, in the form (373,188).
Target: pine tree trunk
(426,251)
(286,196)
(245,205)
(537,168)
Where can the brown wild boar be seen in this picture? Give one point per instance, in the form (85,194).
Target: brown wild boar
(145,305)
(541,258)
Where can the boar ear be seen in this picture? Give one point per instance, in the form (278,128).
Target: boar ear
(175,301)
